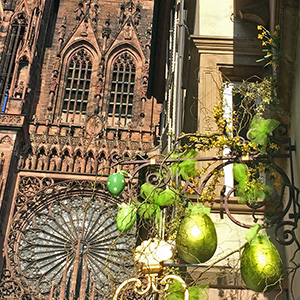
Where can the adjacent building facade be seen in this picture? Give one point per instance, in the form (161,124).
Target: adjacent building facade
(213,46)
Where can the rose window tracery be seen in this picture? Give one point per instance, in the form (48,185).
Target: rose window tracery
(67,245)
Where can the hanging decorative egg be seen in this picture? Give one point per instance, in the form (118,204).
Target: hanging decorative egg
(126,217)
(261,265)
(115,184)
(196,239)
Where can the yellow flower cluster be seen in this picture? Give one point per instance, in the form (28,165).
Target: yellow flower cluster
(272,42)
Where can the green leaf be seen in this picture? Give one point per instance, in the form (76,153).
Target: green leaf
(124,173)
(185,169)
(190,154)
(252,232)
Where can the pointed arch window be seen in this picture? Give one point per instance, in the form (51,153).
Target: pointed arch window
(122,88)
(14,41)
(77,87)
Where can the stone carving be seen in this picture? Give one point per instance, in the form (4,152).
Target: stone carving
(84,28)
(61,33)
(9,289)
(11,119)
(128,10)
(101,67)
(66,164)
(79,10)
(6,140)
(94,126)
(99,87)
(90,165)
(19,90)
(78,164)
(94,12)
(137,15)
(41,162)
(128,31)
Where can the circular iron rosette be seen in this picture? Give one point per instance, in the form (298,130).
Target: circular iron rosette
(64,243)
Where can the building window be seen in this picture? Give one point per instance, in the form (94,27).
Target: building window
(13,43)
(77,87)
(122,89)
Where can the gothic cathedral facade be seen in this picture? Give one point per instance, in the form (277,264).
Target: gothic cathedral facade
(73,85)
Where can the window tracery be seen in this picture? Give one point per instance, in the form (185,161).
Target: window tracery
(15,39)
(122,89)
(78,80)
(67,230)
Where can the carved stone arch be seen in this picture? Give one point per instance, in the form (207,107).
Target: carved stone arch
(21,76)
(115,51)
(71,49)
(42,159)
(127,156)
(79,161)
(79,58)
(20,17)
(6,140)
(54,159)
(103,163)
(90,162)
(66,160)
